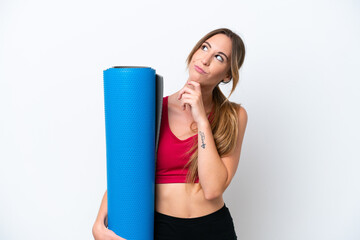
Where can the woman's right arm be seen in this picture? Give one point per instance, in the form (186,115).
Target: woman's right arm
(99,230)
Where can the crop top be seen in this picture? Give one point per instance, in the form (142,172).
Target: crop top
(171,153)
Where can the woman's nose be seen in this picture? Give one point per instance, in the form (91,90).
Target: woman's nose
(206,59)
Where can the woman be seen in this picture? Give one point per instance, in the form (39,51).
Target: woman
(199,147)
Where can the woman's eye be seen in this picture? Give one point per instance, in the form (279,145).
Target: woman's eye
(202,47)
(219,58)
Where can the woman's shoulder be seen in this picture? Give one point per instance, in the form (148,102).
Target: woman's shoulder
(241,111)
(238,106)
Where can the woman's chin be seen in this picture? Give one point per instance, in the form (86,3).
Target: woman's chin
(195,77)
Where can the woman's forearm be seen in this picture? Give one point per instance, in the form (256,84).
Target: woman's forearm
(212,171)
(103,210)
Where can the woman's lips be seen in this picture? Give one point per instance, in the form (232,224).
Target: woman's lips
(199,69)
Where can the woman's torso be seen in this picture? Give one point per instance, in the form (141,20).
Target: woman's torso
(173,198)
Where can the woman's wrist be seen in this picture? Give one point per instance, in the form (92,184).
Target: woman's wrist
(203,123)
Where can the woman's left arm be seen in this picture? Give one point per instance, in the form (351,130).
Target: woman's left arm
(216,173)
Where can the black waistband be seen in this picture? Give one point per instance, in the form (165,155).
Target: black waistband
(212,216)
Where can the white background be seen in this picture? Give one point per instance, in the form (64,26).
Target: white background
(298,176)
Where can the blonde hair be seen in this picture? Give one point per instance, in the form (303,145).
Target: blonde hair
(224,120)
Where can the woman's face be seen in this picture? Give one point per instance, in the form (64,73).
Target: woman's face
(211,62)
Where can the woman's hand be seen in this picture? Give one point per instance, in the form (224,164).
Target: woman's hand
(100,232)
(193,98)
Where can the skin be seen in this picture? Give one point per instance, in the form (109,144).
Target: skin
(193,102)
(217,68)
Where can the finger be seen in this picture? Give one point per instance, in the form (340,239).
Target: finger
(186,95)
(196,85)
(186,101)
(181,92)
(186,105)
(186,90)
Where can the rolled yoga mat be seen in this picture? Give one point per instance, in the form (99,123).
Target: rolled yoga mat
(133,100)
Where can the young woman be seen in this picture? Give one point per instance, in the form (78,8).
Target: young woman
(199,147)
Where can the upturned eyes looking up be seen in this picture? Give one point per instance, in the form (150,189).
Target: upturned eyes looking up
(218,57)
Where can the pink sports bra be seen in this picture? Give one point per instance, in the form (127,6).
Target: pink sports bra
(171,154)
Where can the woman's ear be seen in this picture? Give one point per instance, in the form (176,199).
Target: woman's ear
(227,78)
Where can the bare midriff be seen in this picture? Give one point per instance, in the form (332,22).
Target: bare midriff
(175,200)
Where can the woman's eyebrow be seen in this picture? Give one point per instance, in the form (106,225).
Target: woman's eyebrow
(219,52)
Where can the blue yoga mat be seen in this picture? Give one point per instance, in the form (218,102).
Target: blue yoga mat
(133,99)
